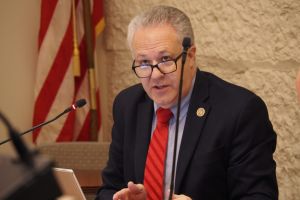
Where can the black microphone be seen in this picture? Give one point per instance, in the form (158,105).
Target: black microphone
(32,178)
(77,104)
(186,44)
(21,148)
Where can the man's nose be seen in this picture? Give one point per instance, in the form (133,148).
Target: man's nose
(156,73)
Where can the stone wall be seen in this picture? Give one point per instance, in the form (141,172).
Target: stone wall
(255,44)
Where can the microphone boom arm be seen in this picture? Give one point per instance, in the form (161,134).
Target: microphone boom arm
(77,104)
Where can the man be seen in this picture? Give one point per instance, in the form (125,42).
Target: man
(226,141)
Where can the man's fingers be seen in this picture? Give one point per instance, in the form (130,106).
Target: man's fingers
(181,197)
(121,194)
(134,191)
(135,188)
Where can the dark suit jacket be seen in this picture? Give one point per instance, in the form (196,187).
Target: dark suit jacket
(226,154)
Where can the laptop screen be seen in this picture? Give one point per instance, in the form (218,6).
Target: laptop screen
(69,183)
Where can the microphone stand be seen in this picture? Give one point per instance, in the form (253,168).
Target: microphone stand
(186,45)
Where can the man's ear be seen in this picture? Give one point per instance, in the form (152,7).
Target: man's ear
(192,56)
(192,51)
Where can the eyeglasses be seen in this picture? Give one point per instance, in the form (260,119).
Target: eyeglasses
(165,67)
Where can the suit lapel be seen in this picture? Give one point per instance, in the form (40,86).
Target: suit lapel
(193,126)
(143,135)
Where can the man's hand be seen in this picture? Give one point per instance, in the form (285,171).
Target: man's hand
(181,197)
(132,192)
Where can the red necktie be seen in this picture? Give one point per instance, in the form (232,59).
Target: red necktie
(155,163)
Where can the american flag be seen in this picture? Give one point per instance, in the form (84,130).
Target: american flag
(57,87)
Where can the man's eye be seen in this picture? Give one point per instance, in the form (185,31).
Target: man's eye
(143,62)
(166,58)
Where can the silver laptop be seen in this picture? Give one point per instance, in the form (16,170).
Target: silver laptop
(69,184)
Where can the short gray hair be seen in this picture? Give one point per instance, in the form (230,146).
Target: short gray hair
(162,15)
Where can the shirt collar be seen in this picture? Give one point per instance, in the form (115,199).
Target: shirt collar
(184,102)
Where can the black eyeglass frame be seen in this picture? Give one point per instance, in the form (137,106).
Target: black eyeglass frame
(156,66)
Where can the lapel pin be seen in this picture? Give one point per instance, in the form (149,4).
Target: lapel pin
(200,112)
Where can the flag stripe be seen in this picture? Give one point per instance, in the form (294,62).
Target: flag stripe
(52,42)
(49,133)
(82,135)
(65,134)
(67,129)
(53,81)
(98,17)
(47,8)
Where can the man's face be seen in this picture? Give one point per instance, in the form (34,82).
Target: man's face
(153,44)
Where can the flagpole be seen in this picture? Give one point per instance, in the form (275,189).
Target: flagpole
(89,38)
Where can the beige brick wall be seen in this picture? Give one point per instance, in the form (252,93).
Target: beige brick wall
(255,44)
